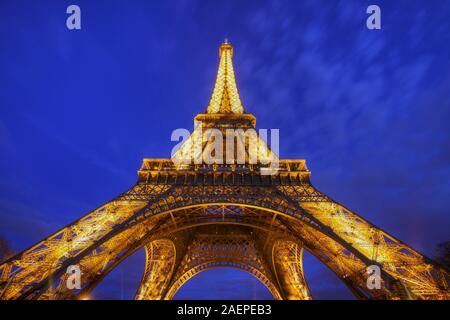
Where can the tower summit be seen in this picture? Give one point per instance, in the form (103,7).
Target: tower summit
(225,97)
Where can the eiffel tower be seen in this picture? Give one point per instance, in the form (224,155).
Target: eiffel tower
(191,217)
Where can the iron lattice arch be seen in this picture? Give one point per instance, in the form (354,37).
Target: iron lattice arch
(193,217)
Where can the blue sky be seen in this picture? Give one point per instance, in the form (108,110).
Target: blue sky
(368,110)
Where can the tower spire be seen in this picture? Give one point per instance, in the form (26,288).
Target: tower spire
(225,97)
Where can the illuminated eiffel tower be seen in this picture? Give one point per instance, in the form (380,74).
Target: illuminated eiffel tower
(191,217)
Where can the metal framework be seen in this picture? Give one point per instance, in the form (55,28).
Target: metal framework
(192,217)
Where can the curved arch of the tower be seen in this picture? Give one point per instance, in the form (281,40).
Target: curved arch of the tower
(193,217)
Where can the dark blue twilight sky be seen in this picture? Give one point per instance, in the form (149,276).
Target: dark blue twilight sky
(369,110)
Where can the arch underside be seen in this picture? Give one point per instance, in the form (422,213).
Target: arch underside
(272,224)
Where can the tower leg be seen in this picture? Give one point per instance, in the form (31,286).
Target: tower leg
(160,262)
(163,257)
(288,269)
